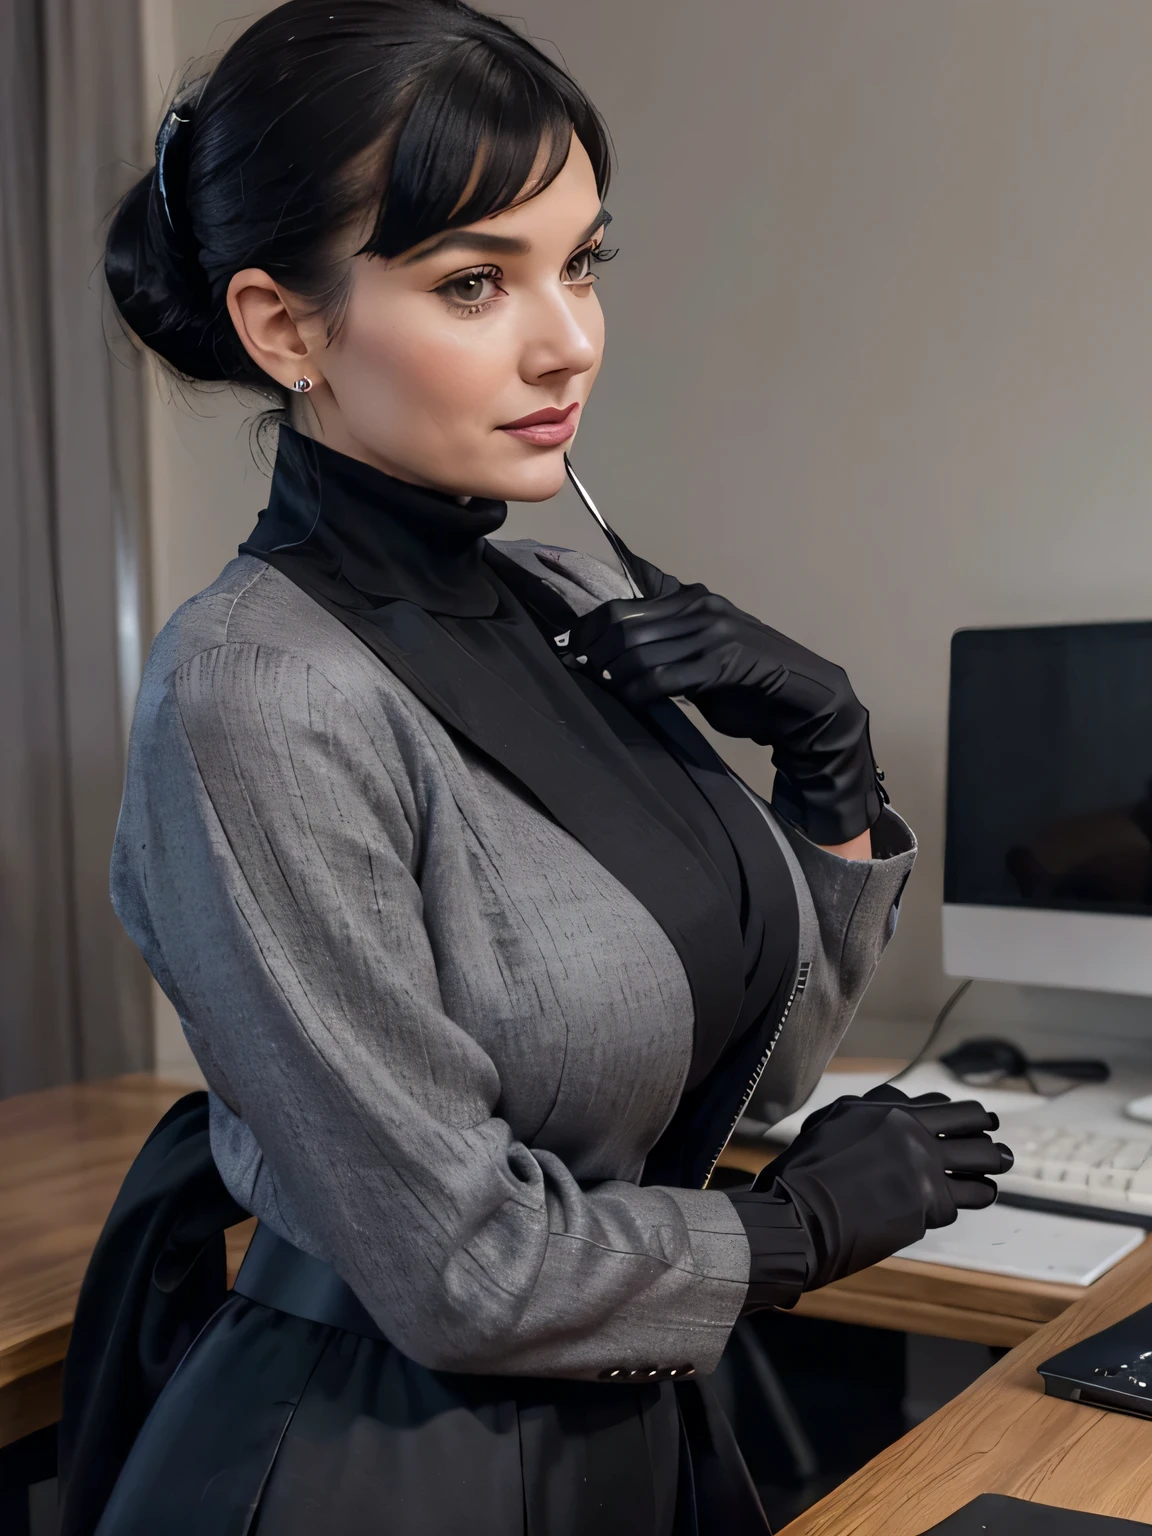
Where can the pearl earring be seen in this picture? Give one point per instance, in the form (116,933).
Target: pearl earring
(302,386)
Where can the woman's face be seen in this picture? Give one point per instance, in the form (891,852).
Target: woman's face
(445,348)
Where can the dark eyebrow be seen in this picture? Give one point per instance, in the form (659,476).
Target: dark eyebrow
(494,245)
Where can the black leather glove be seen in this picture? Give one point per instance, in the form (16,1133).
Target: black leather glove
(868,1176)
(746,680)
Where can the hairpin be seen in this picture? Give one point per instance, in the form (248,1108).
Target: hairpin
(163,138)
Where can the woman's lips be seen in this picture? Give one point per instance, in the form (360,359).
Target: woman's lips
(546,428)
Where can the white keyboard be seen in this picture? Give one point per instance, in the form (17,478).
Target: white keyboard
(1072,1168)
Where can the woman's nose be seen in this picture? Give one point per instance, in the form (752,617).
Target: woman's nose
(559,339)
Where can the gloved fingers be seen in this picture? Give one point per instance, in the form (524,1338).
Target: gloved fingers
(849,1118)
(589,630)
(627,650)
(964,1117)
(963,1155)
(706,635)
(973,1194)
(891,1093)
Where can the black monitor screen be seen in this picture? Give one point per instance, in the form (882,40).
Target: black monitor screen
(1050,768)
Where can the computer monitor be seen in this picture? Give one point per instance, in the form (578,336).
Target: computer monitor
(1048,855)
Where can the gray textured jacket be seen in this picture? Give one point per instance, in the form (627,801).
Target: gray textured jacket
(440,1037)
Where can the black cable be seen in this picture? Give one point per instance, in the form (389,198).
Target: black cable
(937,1025)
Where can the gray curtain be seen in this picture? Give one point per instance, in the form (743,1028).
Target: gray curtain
(74,997)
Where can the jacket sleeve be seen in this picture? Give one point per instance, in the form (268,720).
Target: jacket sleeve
(848,911)
(267,865)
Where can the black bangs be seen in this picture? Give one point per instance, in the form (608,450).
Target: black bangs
(482,115)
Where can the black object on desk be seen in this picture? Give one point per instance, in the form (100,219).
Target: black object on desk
(984,1062)
(994,1514)
(1112,1369)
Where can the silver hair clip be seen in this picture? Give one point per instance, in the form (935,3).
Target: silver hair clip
(167,129)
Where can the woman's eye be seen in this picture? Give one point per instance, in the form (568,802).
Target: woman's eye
(579,268)
(473,290)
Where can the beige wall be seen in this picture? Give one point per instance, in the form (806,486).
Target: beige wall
(880,347)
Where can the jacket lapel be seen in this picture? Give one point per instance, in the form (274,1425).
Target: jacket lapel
(545,734)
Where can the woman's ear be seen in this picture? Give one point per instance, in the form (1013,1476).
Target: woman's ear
(265,326)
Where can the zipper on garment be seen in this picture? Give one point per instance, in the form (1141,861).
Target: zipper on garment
(797,988)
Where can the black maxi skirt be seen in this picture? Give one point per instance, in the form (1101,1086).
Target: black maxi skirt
(196,1411)
(284,1427)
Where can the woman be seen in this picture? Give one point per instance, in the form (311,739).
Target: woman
(479,946)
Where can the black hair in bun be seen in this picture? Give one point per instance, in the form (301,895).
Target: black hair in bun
(151,260)
(327,115)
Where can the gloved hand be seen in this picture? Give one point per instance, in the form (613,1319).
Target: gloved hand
(746,680)
(870,1175)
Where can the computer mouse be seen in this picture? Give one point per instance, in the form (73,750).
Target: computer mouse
(1140,1109)
(985,1058)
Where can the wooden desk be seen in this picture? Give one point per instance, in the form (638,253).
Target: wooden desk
(1003,1435)
(934,1299)
(63,1154)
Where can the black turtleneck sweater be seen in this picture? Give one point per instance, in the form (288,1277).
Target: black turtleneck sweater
(382,539)
(410,571)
